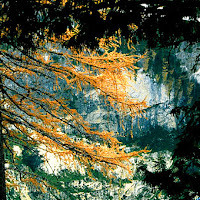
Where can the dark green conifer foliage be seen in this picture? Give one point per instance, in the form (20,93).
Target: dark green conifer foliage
(160,22)
(31,158)
(181,180)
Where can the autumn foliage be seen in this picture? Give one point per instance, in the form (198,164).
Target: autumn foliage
(33,114)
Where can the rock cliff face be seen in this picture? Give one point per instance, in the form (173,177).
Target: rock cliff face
(172,78)
(167,78)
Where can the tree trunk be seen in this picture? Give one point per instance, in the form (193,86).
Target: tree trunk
(2,158)
(2,167)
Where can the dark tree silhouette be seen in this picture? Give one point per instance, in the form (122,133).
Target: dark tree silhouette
(26,24)
(160,22)
(181,180)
